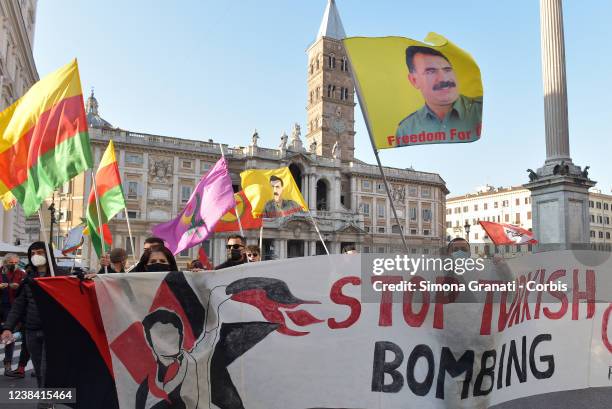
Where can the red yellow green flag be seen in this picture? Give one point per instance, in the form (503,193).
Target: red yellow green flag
(43,138)
(110,196)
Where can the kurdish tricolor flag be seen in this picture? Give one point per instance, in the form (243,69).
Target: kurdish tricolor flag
(110,196)
(43,138)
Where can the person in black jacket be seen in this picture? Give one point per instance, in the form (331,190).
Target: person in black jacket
(24,310)
(235,252)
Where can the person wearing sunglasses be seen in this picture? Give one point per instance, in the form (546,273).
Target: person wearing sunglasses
(235,252)
(253,253)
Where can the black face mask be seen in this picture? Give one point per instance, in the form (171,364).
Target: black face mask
(157,267)
(235,254)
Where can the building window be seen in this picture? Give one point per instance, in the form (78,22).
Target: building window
(465,209)
(132,214)
(129,245)
(133,158)
(426,192)
(413,232)
(601,235)
(396,229)
(132,190)
(607,235)
(606,206)
(381,249)
(344,94)
(495,205)
(413,191)
(344,66)
(485,206)
(425,232)
(380,187)
(365,209)
(598,205)
(449,211)
(518,218)
(449,225)
(476,236)
(365,184)
(528,215)
(592,218)
(592,234)
(366,249)
(331,61)
(607,219)
(599,219)
(498,221)
(184,253)
(380,208)
(381,230)
(317,93)
(187,164)
(413,213)
(185,193)
(518,201)
(426,215)
(505,203)
(591,204)
(526,200)
(331,91)
(367,228)
(457,210)
(475,207)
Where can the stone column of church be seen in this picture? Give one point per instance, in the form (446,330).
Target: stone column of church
(145,187)
(312,185)
(555,86)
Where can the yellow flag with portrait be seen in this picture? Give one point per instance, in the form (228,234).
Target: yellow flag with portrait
(272,192)
(416,93)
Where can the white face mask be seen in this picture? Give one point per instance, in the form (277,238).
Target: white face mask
(460,254)
(39,260)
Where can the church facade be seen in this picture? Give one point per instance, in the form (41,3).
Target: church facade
(346,196)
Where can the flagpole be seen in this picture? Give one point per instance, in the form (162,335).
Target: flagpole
(127,219)
(318,232)
(99,216)
(45,239)
(382,172)
(261,237)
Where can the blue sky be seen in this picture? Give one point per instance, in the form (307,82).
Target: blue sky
(219,69)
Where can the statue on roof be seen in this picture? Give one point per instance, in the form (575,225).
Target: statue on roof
(254,138)
(336,150)
(283,144)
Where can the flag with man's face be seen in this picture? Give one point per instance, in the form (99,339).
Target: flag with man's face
(272,192)
(415,93)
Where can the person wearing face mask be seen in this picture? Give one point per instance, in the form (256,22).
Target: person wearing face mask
(149,244)
(159,259)
(25,311)
(235,252)
(10,280)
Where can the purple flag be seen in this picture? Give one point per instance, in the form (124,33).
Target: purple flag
(210,200)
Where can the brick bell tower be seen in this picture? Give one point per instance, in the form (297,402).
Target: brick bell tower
(331,93)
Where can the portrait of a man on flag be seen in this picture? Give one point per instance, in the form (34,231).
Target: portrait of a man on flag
(273,193)
(416,93)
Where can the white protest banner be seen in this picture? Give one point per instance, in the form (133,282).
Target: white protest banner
(305,333)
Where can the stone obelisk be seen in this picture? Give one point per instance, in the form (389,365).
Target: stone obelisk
(559,189)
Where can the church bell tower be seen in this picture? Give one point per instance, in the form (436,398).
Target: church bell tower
(331,92)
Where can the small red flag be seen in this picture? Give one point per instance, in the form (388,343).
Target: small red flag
(204,259)
(502,234)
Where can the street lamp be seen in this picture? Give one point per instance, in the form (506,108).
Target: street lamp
(467,231)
